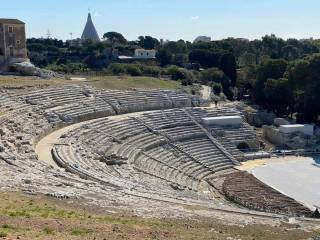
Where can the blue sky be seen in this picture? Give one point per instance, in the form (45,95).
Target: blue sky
(169,19)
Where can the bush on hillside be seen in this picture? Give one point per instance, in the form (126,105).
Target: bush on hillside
(217,88)
(117,68)
(133,70)
(178,74)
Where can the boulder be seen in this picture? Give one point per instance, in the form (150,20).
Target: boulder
(28,69)
(280,121)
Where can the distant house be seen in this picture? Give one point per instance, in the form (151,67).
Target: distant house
(144,54)
(202,39)
(75,42)
(140,54)
(12,41)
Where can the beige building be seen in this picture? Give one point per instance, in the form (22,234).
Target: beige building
(145,53)
(12,41)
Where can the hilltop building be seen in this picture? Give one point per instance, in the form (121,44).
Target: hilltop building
(75,42)
(202,39)
(145,53)
(12,42)
(90,32)
(140,54)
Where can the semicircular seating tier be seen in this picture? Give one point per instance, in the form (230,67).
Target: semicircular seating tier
(74,104)
(163,153)
(27,118)
(170,145)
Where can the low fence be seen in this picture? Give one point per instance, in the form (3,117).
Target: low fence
(255,153)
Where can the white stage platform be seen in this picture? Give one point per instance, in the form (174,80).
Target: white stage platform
(298,179)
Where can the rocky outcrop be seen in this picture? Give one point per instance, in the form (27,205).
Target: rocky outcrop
(28,69)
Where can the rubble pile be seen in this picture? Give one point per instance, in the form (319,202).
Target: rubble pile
(28,69)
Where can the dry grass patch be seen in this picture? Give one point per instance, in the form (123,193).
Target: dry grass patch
(40,217)
(127,82)
(103,82)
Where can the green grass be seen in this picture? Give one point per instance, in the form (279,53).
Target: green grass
(103,82)
(18,213)
(81,231)
(20,81)
(127,82)
(5,229)
(45,211)
(48,231)
(31,210)
(7,226)
(37,217)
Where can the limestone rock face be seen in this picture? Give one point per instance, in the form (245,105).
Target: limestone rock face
(259,118)
(3,131)
(28,69)
(280,121)
(297,142)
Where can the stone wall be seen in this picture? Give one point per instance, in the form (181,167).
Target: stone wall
(293,141)
(259,118)
(16,39)
(1,60)
(13,47)
(2,48)
(273,135)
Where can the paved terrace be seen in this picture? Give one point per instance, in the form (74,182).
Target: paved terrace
(296,177)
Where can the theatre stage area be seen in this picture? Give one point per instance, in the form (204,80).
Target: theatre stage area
(296,177)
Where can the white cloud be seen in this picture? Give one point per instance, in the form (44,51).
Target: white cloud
(195,18)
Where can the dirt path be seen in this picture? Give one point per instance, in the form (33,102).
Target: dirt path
(45,145)
(250,165)
(206,92)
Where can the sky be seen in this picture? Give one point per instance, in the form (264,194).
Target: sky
(169,19)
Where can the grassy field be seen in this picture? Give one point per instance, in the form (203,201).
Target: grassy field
(19,81)
(39,217)
(126,82)
(105,82)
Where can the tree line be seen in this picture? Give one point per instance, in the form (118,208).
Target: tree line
(280,75)
(289,88)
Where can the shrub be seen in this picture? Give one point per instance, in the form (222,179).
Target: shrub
(117,68)
(150,70)
(133,70)
(95,61)
(172,70)
(177,73)
(62,60)
(81,231)
(243,146)
(48,231)
(68,68)
(213,75)
(186,82)
(137,69)
(7,226)
(217,88)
